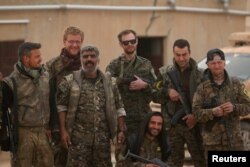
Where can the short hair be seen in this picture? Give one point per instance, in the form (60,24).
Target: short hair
(25,48)
(181,43)
(73,31)
(125,32)
(90,48)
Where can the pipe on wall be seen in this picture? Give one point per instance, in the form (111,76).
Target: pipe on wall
(124,8)
(23,21)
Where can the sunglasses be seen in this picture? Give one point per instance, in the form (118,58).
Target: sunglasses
(132,42)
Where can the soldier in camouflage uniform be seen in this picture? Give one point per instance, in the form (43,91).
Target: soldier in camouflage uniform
(218,104)
(60,66)
(89,105)
(149,142)
(134,76)
(25,92)
(183,129)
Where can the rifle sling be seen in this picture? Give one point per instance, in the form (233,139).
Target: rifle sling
(14,111)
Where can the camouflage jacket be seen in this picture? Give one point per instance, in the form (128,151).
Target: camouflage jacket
(232,90)
(164,84)
(136,103)
(148,150)
(32,102)
(70,88)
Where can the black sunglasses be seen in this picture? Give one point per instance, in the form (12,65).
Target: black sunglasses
(132,41)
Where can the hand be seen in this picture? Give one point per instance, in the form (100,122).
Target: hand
(190,120)
(65,139)
(49,134)
(120,137)
(227,108)
(174,95)
(120,140)
(138,84)
(218,112)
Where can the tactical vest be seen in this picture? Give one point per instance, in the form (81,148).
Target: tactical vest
(32,99)
(75,86)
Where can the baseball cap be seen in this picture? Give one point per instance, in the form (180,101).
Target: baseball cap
(215,52)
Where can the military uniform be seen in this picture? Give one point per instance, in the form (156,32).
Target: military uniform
(93,106)
(214,129)
(58,68)
(179,134)
(32,116)
(136,103)
(148,150)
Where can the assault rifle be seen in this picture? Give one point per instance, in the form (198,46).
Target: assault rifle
(124,81)
(127,80)
(155,161)
(211,104)
(185,110)
(12,136)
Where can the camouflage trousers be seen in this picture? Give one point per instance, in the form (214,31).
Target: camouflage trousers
(60,156)
(84,155)
(33,148)
(178,136)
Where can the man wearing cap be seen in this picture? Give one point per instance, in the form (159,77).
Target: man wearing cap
(182,126)
(218,103)
(90,110)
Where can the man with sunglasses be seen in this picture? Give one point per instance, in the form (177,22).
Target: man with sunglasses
(134,76)
(60,66)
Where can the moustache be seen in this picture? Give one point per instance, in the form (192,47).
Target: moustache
(89,62)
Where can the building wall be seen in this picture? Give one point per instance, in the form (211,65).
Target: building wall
(203,30)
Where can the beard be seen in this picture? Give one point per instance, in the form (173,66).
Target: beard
(89,69)
(130,51)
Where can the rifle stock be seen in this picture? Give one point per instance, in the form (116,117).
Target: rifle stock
(10,133)
(155,161)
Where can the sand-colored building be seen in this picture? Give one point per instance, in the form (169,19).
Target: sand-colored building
(205,23)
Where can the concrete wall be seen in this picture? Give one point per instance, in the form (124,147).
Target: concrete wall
(204,30)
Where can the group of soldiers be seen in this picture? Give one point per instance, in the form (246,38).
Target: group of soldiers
(66,112)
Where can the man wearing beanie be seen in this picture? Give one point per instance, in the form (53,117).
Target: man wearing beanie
(218,103)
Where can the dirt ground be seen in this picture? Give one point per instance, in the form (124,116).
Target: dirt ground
(5,160)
